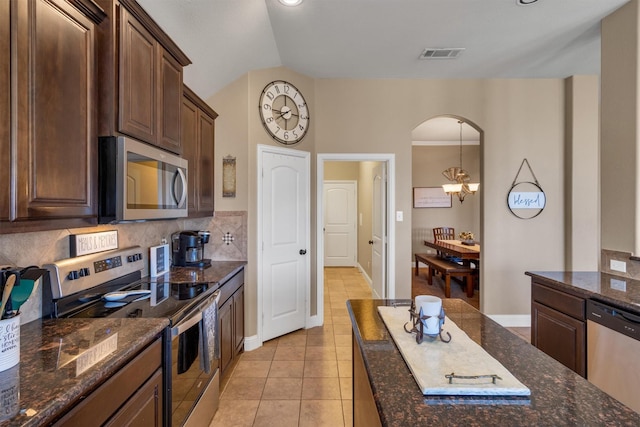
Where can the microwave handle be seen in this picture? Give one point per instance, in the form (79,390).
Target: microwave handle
(183,179)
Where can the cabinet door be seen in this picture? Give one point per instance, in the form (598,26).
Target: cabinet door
(560,336)
(198,148)
(205,167)
(225,317)
(169,101)
(55,78)
(190,150)
(137,97)
(5,112)
(144,408)
(238,321)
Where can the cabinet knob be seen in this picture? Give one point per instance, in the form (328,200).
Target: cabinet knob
(303,251)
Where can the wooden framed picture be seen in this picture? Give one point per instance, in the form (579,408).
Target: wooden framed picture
(430,197)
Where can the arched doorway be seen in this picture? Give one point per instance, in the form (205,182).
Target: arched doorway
(436,146)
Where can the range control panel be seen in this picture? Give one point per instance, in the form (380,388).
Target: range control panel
(72,275)
(107,264)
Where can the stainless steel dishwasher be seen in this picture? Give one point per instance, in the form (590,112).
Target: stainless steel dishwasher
(613,347)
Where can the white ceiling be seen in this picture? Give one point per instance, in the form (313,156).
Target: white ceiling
(383,38)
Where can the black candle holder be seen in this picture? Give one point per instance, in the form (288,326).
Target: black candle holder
(417,327)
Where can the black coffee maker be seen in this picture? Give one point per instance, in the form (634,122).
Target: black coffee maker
(188,248)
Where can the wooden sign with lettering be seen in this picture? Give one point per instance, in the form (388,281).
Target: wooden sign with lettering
(91,243)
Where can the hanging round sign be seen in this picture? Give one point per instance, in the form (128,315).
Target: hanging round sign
(526,199)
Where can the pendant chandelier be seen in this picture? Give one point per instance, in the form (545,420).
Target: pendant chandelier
(462,185)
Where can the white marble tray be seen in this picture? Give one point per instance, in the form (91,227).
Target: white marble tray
(430,361)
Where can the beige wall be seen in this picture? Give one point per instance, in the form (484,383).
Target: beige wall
(582,174)
(619,130)
(428,162)
(239,129)
(345,171)
(520,118)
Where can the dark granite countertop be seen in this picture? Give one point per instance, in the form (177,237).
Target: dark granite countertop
(219,271)
(55,370)
(620,291)
(559,396)
(47,372)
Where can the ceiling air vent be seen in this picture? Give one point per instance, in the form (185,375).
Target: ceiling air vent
(441,53)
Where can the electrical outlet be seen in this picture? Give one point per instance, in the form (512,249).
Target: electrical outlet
(620,266)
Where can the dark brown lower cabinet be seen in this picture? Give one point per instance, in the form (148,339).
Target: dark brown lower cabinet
(558,326)
(231,322)
(132,396)
(226,327)
(365,411)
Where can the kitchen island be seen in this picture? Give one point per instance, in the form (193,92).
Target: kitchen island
(385,388)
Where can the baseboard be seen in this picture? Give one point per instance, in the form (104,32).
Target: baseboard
(365,275)
(512,320)
(252,343)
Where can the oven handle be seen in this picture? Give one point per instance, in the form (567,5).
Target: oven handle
(196,317)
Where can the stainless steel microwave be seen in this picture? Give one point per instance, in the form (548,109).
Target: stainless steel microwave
(137,181)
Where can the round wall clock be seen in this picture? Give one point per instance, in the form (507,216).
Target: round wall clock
(284,112)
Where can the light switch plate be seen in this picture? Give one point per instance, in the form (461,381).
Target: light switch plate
(399,216)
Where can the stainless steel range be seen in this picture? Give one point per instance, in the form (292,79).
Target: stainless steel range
(110,284)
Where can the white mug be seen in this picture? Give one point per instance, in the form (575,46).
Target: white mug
(429,305)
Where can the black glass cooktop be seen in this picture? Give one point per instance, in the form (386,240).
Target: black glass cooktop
(170,300)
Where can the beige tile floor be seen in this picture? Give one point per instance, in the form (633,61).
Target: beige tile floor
(303,378)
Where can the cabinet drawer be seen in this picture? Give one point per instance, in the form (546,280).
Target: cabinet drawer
(101,404)
(229,287)
(565,303)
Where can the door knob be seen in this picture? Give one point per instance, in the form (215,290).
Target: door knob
(303,251)
(371,242)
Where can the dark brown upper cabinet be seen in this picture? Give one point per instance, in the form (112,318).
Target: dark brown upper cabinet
(140,77)
(198,142)
(50,126)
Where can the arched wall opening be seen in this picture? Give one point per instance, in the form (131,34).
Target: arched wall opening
(436,145)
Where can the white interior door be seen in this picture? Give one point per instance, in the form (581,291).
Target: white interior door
(340,223)
(379,231)
(285,241)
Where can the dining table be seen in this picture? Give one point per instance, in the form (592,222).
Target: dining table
(456,248)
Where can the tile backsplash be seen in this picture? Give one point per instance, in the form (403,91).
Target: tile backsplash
(228,242)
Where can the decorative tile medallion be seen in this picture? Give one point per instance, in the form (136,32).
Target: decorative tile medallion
(227,238)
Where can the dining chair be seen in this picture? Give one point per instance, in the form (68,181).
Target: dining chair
(445,233)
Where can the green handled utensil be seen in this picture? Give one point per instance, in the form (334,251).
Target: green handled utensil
(22,291)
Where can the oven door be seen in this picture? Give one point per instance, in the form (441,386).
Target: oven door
(191,382)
